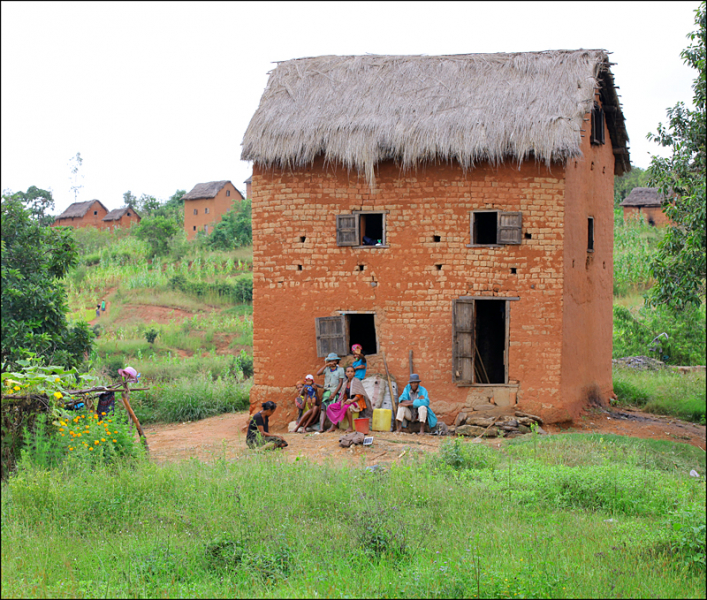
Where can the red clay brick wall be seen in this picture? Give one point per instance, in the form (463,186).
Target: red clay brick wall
(217,206)
(588,280)
(412,299)
(125,222)
(647,213)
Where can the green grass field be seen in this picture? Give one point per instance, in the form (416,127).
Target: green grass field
(561,517)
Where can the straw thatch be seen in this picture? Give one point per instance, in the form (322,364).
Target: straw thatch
(360,110)
(78,210)
(207,190)
(117,213)
(643,196)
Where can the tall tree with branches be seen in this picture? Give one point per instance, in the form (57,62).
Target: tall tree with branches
(679,265)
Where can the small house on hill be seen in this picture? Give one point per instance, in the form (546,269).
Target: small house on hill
(82,214)
(645,203)
(120,218)
(460,207)
(206,203)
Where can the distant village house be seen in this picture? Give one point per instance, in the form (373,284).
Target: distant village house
(460,207)
(82,214)
(93,214)
(205,205)
(646,204)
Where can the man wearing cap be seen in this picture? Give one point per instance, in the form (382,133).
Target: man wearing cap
(414,396)
(333,378)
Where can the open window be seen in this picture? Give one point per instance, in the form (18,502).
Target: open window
(597,136)
(339,333)
(361,228)
(480,345)
(495,227)
(590,234)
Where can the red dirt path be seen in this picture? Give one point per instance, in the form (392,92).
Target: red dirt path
(221,436)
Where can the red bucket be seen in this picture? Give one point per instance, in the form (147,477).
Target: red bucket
(361,425)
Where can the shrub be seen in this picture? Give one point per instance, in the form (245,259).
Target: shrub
(151,335)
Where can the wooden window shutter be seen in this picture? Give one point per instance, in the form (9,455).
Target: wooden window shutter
(597,136)
(463,345)
(347,230)
(331,335)
(510,226)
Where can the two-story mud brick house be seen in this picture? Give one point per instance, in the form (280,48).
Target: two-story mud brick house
(457,206)
(205,205)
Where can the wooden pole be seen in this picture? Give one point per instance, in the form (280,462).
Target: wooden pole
(390,388)
(410,361)
(126,402)
(482,363)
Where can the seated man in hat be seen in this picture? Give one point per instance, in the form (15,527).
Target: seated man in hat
(333,379)
(414,399)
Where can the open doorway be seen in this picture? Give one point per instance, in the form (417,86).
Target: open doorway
(490,334)
(362,330)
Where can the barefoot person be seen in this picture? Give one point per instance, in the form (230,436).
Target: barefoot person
(414,399)
(333,378)
(258,435)
(352,399)
(310,404)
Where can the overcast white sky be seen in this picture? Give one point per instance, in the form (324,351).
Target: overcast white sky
(157,96)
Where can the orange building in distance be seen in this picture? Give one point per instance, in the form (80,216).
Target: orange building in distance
(205,204)
(82,214)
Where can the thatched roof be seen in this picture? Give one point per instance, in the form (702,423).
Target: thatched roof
(643,196)
(78,209)
(117,213)
(207,190)
(360,110)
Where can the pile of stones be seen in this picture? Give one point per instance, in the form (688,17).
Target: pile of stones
(506,425)
(642,363)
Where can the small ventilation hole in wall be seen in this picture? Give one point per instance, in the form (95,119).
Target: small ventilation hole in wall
(437,238)
(605,264)
(592,167)
(514,271)
(299,267)
(528,236)
(603,169)
(439,267)
(302,238)
(573,263)
(361,267)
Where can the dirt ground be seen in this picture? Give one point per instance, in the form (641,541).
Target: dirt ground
(221,436)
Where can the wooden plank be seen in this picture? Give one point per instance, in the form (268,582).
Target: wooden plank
(509,227)
(347,230)
(330,332)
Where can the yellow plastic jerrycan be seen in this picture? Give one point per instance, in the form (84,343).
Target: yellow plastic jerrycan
(381,419)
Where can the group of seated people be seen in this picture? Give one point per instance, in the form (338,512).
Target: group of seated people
(342,398)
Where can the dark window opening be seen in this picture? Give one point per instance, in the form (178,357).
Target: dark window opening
(485,228)
(361,267)
(651,222)
(302,238)
(514,271)
(528,236)
(371,229)
(228,192)
(128,214)
(362,330)
(597,136)
(437,238)
(590,234)
(206,210)
(490,335)
(95,212)
(299,267)
(194,227)
(439,267)
(196,211)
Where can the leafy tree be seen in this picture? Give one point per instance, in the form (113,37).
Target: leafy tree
(129,199)
(679,265)
(147,205)
(38,202)
(623,185)
(34,259)
(235,228)
(158,232)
